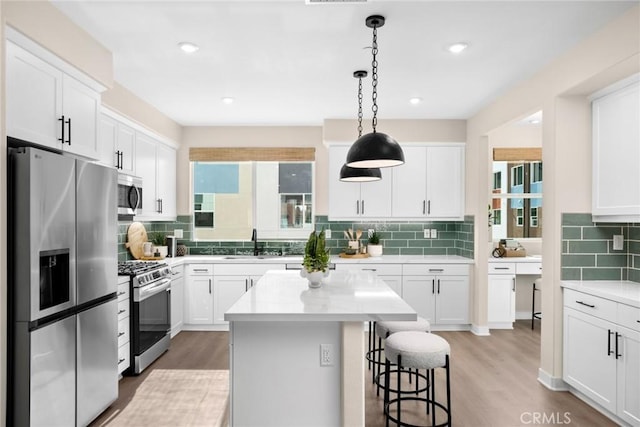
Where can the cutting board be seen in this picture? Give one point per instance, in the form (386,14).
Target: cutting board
(136,236)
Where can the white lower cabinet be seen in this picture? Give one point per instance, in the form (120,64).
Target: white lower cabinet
(124,311)
(231,281)
(199,295)
(177,299)
(391,274)
(501,308)
(601,356)
(439,293)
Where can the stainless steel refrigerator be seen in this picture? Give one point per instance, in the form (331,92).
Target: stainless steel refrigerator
(62,256)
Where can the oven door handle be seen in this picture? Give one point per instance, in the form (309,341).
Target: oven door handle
(149,291)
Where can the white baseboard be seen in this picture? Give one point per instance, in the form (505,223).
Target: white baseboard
(482,331)
(550,382)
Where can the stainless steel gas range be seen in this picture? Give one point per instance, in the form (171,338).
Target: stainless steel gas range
(150,311)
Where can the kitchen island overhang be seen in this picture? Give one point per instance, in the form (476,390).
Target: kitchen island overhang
(279,376)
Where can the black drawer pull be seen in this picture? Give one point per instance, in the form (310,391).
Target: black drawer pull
(585,304)
(609,333)
(501,268)
(120,334)
(436,270)
(121,311)
(120,361)
(618,355)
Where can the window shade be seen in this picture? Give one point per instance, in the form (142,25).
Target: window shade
(245,154)
(515,154)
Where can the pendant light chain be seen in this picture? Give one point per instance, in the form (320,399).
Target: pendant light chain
(359,107)
(374,75)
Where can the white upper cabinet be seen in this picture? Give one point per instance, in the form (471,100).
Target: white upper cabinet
(352,200)
(616,153)
(155,163)
(430,185)
(116,142)
(46,106)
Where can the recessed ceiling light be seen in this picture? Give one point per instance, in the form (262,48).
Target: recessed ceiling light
(227,100)
(188,47)
(457,47)
(415,101)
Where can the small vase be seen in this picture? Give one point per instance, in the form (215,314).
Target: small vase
(314,278)
(374,250)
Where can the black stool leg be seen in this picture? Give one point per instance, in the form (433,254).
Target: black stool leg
(433,398)
(387,384)
(369,349)
(448,392)
(399,364)
(533,304)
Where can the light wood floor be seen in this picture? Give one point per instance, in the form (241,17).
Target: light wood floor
(493,380)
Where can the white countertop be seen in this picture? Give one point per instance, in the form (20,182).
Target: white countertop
(343,296)
(528,258)
(622,291)
(293,259)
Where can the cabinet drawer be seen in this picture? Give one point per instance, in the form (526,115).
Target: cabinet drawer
(502,268)
(123,331)
(596,306)
(629,316)
(246,269)
(533,268)
(177,272)
(435,269)
(123,357)
(123,309)
(123,290)
(379,269)
(200,269)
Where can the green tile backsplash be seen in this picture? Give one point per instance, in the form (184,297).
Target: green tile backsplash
(587,250)
(398,238)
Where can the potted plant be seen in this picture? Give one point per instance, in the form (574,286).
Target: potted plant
(160,248)
(374,247)
(316,259)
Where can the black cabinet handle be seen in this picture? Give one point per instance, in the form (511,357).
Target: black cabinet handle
(433,286)
(69,133)
(585,304)
(436,270)
(363,207)
(61,120)
(121,311)
(357,207)
(618,355)
(117,159)
(500,268)
(159,204)
(120,334)
(609,333)
(429,207)
(424,207)
(120,361)
(209,285)
(122,160)
(438,286)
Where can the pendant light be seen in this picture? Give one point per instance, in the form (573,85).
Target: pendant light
(375,149)
(349,174)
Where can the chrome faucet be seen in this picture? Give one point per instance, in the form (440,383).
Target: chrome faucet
(254,238)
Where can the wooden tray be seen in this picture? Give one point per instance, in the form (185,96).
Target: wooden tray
(343,255)
(136,236)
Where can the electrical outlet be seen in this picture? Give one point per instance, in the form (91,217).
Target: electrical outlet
(427,233)
(327,233)
(434,233)
(618,242)
(178,233)
(326,354)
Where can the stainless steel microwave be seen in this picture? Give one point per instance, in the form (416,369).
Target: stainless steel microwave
(129,196)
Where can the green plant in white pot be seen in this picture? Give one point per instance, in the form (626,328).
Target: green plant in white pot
(160,248)
(374,247)
(316,259)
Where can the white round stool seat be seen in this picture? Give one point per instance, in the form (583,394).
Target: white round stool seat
(384,329)
(417,349)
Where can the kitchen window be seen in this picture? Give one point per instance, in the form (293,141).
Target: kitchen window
(231,198)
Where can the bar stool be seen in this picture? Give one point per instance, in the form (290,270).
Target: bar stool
(417,350)
(537,287)
(383,330)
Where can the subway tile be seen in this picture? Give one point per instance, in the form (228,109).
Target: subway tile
(578,260)
(634,247)
(602,274)
(391,243)
(411,251)
(634,275)
(412,227)
(633,233)
(435,251)
(571,233)
(588,247)
(576,219)
(420,243)
(408,235)
(600,233)
(391,251)
(447,235)
(611,260)
(437,243)
(567,273)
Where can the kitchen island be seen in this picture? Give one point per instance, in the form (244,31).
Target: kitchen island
(279,374)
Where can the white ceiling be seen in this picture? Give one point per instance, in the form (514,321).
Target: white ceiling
(289,63)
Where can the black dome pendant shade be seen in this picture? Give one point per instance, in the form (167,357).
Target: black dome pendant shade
(349,174)
(375,149)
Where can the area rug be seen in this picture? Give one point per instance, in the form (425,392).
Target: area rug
(178,398)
